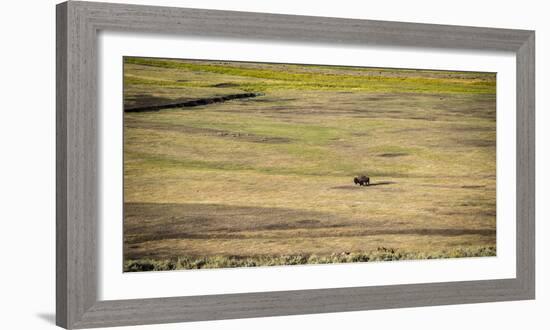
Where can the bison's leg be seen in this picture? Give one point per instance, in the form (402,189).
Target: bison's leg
(368,182)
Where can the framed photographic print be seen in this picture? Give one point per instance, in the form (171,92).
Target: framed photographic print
(217,165)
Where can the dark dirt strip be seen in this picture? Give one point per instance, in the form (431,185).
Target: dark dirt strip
(192,103)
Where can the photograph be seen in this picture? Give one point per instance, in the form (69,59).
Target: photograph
(250,164)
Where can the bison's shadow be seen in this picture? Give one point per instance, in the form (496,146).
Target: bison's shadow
(350,187)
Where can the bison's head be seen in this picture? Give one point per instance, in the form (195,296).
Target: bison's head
(355,180)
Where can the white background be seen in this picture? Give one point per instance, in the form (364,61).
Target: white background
(115,285)
(27,166)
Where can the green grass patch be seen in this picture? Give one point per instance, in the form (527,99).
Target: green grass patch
(265,80)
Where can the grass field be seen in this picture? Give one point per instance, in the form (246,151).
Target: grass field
(268,180)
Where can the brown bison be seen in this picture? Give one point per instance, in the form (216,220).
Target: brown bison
(362,180)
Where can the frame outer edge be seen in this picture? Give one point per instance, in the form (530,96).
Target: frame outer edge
(299,28)
(83,161)
(76,274)
(61,290)
(525,162)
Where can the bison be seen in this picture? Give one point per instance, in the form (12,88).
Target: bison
(362,180)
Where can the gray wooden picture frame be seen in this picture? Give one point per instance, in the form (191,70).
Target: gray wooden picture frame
(78,24)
